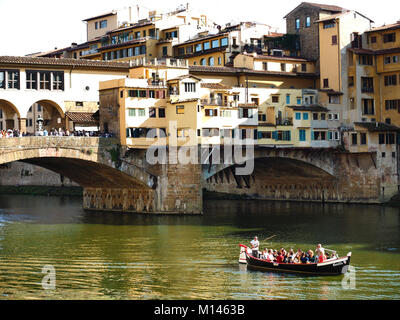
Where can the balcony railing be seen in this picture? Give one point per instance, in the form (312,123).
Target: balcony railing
(284,121)
(367,90)
(218,102)
(140,62)
(90,51)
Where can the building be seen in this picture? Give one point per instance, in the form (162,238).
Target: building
(301,21)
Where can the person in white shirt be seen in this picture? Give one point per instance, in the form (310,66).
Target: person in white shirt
(254,247)
(320,252)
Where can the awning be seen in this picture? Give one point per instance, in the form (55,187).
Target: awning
(86,118)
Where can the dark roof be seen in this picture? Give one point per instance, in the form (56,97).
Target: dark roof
(112,13)
(323,7)
(201,38)
(312,108)
(388,27)
(64,62)
(331,92)
(377,126)
(375,52)
(82,117)
(267,57)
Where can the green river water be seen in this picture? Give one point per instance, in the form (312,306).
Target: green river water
(129,256)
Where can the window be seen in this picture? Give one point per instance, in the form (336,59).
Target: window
(334,99)
(152,94)
(389,37)
(354,139)
(395,59)
(44,80)
(391,80)
(381,138)
(180,109)
(58,80)
(303,67)
(132,112)
(164,51)
(387,60)
(198,47)
(363,138)
(326,83)
(392,104)
(302,135)
(390,138)
(275,99)
(298,116)
(288,99)
(329,24)
(161,112)
(366,60)
(283,66)
(211,112)
(298,100)
(334,40)
(373,39)
(219,60)
(141,112)
(215,44)
(31,80)
(206,45)
(367,84)
(224,42)
(305,116)
(152,113)
(190,87)
(323,116)
(351,81)
(96,25)
(103,24)
(368,107)
(203,62)
(297,24)
(211,61)
(315,116)
(308,22)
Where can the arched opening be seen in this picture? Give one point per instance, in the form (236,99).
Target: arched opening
(9,116)
(276,178)
(52,114)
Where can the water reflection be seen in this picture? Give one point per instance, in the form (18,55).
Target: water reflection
(128,256)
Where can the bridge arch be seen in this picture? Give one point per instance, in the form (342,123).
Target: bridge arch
(50,111)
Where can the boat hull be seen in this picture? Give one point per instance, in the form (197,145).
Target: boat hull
(328,267)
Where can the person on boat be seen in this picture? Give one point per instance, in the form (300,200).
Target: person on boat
(311,256)
(264,254)
(304,258)
(270,256)
(320,252)
(254,247)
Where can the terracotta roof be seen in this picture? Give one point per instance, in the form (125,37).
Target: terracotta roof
(63,62)
(266,57)
(81,117)
(392,26)
(377,126)
(215,86)
(231,70)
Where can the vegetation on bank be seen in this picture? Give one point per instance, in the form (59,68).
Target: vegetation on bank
(42,190)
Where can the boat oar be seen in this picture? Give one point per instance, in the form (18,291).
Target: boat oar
(270,237)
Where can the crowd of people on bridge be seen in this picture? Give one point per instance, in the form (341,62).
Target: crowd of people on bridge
(10,133)
(291,256)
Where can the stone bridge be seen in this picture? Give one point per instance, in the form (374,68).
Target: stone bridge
(302,174)
(112,178)
(118,179)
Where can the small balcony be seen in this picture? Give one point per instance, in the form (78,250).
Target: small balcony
(89,52)
(367,90)
(284,121)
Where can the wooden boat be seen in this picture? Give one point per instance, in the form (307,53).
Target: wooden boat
(334,266)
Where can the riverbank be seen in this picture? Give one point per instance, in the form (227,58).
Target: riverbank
(42,190)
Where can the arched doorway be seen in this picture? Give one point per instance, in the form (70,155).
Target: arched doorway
(9,116)
(52,114)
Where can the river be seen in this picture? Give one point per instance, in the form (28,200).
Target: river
(128,256)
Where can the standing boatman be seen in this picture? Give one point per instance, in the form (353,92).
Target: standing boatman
(254,247)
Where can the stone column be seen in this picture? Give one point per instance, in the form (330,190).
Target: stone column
(22,125)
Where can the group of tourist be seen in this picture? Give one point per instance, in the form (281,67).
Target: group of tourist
(55,132)
(291,256)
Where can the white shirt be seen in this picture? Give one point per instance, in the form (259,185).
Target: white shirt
(255,244)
